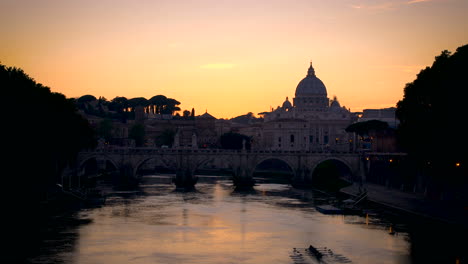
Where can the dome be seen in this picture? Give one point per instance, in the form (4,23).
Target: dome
(311,85)
(335,105)
(287,104)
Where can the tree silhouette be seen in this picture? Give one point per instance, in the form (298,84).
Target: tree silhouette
(166,138)
(171,106)
(232,140)
(137,133)
(363,128)
(137,101)
(432,114)
(159,101)
(43,125)
(118,104)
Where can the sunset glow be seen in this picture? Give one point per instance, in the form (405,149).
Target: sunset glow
(229,57)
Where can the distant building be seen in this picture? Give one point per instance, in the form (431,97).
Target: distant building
(383,140)
(312,122)
(384,114)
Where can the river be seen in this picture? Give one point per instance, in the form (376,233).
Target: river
(274,223)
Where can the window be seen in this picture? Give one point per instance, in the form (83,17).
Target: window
(291,138)
(311,139)
(279,139)
(325,139)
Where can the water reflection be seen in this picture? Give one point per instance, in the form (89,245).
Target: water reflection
(215,224)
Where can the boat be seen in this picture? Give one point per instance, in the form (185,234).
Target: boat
(329,209)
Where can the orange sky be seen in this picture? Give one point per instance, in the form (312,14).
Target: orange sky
(229,57)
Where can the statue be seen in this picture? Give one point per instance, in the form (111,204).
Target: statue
(194,141)
(176,143)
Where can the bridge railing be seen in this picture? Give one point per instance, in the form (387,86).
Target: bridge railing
(151,150)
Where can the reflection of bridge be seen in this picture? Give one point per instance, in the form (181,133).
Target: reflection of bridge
(242,163)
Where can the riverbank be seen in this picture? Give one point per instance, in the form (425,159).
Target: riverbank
(413,203)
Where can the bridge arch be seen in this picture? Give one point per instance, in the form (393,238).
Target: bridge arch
(329,172)
(212,168)
(103,162)
(274,167)
(154,163)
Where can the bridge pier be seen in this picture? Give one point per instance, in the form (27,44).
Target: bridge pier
(302,178)
(126,176)
(185,179)
(242,178)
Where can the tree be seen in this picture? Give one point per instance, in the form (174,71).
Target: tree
(137,101)
(84,103)
(43,124)
(159,101)
(232,140)
(118,104)
(166,138)
(432,114)
(363,128)
(137,133)
(171,106)
(104,129)
(246,119)
(86,99)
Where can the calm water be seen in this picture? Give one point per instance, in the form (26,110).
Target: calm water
(214,224)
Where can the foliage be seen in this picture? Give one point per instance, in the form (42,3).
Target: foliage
(86,99)
(42,133)
(137,133)
(104,129)
(158,101)
(166,138)
(248,118)
(138,101)
(363,128)
(170,107)
(433,111)
(118,104)
(231,140)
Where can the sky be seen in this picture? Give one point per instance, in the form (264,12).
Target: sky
(229,57)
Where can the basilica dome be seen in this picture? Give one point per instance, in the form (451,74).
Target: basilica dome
(287,104)
(311,85)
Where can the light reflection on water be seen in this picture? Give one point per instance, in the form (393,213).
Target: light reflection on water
(215,224)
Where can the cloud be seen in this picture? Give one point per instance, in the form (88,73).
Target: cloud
(381,6)
(218,66)
(417,1)
(387,5)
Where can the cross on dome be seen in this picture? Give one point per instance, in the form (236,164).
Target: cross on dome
(311,71)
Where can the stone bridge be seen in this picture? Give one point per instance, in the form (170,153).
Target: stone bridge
(242,163)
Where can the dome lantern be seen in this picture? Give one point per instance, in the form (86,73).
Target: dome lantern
(311,71)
